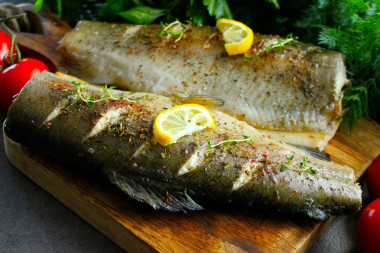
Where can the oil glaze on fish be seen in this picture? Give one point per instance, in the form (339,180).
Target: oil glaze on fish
(115,138)
(293,95)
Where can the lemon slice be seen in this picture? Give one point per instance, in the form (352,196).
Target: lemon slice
(181,120)
(238,36)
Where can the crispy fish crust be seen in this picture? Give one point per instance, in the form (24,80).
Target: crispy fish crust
(115,138)
(293,95)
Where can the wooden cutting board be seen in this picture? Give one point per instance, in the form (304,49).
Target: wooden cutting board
(138,228)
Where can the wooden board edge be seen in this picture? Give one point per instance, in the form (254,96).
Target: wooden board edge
(69,197)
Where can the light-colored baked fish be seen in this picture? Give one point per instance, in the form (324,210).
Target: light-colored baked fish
(293,95)
(115,138)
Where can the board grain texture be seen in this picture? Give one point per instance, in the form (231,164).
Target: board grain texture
(138,228)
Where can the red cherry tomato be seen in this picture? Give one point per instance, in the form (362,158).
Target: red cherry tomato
(5,46)
(368,228)
(13,78)
(373,178)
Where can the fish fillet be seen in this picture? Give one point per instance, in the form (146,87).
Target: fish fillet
(293,95)
(115,138)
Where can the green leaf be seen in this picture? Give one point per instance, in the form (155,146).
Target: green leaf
(275,3)
(312,170)
(142,14)
(197,12)
(218,9)
(110,11)
(90,102)
(38,5)
(90,97)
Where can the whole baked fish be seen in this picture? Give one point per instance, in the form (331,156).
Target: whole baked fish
(116,138)
(293,95)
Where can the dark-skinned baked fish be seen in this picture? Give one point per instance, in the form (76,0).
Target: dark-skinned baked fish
(115,138)
(293,95)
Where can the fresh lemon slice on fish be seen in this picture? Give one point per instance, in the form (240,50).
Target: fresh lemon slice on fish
(238,36)
(181,120)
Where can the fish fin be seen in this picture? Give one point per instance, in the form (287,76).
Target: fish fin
(154,193)
(207,101)
(312,152)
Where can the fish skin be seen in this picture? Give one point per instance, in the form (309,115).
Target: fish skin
(133,157)
(284,93)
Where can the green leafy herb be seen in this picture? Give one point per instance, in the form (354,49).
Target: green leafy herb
(218,8)
(289,159)
(247,57)
(90,99)
(227,140)
(302,166)
(142,14)
(281,43)
(39,4)
(351,27)
(257,54)
(176,29)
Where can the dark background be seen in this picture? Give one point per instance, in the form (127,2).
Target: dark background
(31,220)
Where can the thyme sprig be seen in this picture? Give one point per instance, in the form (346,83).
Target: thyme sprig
(302,166)
(227,140)
(90,99)
(176,29)
(281,43)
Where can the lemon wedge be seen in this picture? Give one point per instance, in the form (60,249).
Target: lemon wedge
(181,120)
(238,36)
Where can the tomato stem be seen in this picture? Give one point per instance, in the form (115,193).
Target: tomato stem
(14,45)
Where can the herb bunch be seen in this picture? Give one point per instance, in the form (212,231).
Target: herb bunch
(353,28)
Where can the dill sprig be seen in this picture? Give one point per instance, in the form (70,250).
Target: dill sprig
(90,99)
(176,29)
(227,140)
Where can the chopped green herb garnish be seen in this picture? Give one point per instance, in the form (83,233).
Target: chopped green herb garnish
(247,57)
(227,140)
(176,29)
(257,54)
(302,165)
(90,99)
(281,43)
(312,170)
(289,159)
